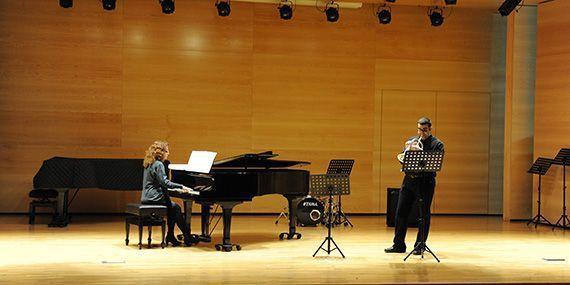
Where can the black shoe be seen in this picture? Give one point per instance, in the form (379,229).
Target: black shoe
(417,251)
(394,249)
(190,240)
(172,240)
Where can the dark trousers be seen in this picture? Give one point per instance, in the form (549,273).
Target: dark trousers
(412,188)
(174,216)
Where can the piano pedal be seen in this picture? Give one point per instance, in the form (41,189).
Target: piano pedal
(227,247)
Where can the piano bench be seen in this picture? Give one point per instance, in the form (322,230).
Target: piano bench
(145,216)
(41,198)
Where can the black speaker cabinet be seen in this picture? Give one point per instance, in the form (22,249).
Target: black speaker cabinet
(393,194)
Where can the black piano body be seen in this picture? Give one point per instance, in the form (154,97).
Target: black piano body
(64,174)
(239,179)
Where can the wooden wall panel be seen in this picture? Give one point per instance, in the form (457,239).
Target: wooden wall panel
(519,105)
(399,124)
(552,123)
(84,82)
(463,181)
(192,98)
(194,26)
(465,36)
(497,115)
(310,34)
(496,153)
(433,75)
(308,108)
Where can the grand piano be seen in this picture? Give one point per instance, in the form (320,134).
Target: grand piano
(64,174)
(238,179)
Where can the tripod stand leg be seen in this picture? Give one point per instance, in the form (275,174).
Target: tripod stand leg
(431,252)
(282,214)
(336,246)
(320,246)
(346,221)
(542,217)
(329,238)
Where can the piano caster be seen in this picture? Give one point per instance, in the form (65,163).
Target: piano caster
(289,235)
(227,247)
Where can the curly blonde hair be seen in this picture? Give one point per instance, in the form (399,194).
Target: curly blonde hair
(155,151)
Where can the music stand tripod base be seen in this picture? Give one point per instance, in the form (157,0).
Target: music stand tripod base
(563,158)
(540,167)
(282,214)
(331,184)
(422,162)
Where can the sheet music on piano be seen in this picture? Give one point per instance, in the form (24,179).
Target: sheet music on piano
(200,161)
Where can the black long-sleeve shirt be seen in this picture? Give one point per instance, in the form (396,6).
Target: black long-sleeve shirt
(155,183)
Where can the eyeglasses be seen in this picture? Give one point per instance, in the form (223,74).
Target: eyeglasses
(423,130)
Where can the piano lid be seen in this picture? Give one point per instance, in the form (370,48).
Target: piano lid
(256,160)
(103,173)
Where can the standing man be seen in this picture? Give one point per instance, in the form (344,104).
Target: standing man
(415,184)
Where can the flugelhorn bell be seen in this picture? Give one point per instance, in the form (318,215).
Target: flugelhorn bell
(413,144)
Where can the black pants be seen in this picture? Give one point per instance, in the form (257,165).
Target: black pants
(412,188)
(174,216)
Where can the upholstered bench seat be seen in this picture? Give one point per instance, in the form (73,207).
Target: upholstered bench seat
(145,215)
(41,198)
(146,210)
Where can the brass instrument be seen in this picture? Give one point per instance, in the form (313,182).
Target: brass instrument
(413,144)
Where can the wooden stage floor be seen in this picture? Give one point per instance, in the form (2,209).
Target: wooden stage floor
(471,249)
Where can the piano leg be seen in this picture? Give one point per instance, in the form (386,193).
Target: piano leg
(292,219)
(60,219)
(226,244)
(205,236)
(188,214)
(188,218)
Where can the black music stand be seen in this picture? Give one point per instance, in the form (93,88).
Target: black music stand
(563,158)
(330,184)
(540,167)
(418,161)
(340,166)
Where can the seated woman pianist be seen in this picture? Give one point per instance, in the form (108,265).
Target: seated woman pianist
(155,185)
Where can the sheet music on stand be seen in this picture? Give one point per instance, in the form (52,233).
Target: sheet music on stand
(541,166)
(418,161)
(563,157)
(340,166)
(327,184)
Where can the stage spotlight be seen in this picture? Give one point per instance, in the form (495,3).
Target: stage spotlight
(384,15)
(224,8)
(109,4)
(167,6)
(331,10)
(450,2)
(436,16)
(66,3)
(508,6)
(285,10)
